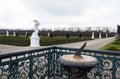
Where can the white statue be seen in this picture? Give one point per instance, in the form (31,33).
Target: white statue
(100,35)
(36,26)
(26,33)
(34,39)
(7,33)
(48,34)
(93,37)
(14,34)
(106,35)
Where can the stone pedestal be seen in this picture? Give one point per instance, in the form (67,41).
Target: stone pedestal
(93,37)
(100,35)
(77,73)
(77,67)
(48,34)
(34,40)
(26,33)
(7,33)
(106,35)
(14,34)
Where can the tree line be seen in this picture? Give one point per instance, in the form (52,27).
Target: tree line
(50,33)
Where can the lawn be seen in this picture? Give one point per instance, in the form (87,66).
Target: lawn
(114,45)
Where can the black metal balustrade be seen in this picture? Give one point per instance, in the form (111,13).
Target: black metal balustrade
(42,64)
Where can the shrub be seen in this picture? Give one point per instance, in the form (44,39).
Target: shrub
(44,41)
(26,35)
(67,35)
(55,35)
(80,35)
(51,35)
(39,34)
(14,40)
(17,34)
(60,40)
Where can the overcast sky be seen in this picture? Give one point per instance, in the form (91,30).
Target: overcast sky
(59,13)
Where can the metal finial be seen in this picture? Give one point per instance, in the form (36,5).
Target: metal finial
(78,53)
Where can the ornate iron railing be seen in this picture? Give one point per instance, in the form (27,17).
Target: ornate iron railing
(42,64)
(108,67)
(32,64)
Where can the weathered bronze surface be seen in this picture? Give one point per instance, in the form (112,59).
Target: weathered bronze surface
(78,54)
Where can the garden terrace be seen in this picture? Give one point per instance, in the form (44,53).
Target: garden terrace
(42,64)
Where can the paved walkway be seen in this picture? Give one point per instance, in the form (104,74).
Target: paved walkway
(91,44)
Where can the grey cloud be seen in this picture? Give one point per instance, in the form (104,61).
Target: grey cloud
(6,17)
(58,7)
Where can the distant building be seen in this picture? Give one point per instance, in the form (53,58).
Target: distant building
(118,30)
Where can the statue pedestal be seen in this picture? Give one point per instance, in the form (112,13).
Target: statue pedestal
(77,67)
(34,40)
(93,37)
(100,35)
(7,33)
(106,35)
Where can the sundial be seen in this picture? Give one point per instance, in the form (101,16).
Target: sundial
(77,65)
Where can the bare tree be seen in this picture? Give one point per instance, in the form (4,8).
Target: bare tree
(98,28)
(106,29)
(88,29)
(77,29)
(70,29)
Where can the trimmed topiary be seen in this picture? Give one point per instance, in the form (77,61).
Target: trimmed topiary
(51,35)
(67,35)
(80,35)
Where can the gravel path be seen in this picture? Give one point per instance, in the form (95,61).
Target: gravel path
(91,44)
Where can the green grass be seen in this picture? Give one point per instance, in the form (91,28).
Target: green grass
(114,46)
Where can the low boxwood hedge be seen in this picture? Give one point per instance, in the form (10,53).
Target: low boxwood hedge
(15,40)
(44,41)
(60,40)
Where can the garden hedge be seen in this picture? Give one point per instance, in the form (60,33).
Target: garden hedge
(44,41)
